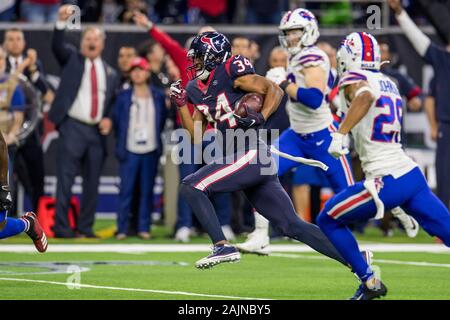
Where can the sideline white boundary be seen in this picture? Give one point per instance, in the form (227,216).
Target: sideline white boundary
(382,261)
(90,286)
(142,248)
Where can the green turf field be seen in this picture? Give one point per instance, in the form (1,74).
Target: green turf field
(171,275)
(290,276)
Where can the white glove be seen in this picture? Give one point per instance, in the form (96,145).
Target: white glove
(277,74)
(337,147)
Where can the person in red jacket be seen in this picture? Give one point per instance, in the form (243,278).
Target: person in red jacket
(173,48)
(222,202)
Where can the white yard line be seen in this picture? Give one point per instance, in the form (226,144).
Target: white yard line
(90,286)
(409,263)
(142,248)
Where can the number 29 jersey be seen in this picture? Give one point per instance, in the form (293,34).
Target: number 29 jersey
(377,135)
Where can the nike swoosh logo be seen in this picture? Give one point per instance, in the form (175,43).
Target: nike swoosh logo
(253,122)
(320,143)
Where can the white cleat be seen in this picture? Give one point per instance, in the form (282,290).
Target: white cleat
(182,234)
(257,243)
(410,224)
(228,233)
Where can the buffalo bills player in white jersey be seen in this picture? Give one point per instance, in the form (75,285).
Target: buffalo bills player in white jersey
(372,107)
(307,82)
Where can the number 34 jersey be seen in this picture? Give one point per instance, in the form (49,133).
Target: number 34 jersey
(377,135)
(217,98)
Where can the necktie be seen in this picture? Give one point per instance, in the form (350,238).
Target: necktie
(94,92)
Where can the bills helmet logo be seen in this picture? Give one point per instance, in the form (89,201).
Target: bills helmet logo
(306,15)
(216,42)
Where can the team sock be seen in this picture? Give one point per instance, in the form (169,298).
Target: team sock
(345,243)
(261,223)
(13,227)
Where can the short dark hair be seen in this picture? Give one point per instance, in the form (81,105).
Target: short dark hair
(130,47)
(146,47)
(15,29)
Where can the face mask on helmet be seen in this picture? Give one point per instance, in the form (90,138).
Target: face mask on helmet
(291,40)
(342,61)
(197,68)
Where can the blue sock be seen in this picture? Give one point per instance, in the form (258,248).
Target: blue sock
(12,227)
(343,240)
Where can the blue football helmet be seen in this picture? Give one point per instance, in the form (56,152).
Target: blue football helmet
(207,51)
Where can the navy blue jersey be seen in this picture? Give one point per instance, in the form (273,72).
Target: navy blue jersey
(216,99)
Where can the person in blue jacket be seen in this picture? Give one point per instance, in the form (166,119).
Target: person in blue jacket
(139,118)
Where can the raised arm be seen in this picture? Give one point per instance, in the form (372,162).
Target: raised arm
(417,38)
(61,49)
(175,50)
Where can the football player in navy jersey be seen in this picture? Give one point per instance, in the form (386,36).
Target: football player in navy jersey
(219,82)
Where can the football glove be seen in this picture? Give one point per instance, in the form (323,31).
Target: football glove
(253,119)
(337,147)
(276,75)
(5,198)
(178,94)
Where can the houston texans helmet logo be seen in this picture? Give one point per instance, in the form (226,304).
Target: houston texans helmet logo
(216,42)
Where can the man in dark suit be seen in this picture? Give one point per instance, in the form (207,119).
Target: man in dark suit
(81,112)
(29,158)
(15,44)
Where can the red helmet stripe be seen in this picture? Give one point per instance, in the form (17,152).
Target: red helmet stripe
(368,50)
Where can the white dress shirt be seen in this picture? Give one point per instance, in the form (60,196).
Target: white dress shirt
(14,62)
(81,107)
(141,136)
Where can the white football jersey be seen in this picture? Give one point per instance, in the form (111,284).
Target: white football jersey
(303,119)
(377,136)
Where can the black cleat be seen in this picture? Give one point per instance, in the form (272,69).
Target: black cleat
(35,232)
(364,293)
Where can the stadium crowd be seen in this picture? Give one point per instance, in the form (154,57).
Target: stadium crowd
(195,11)
(93,101)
